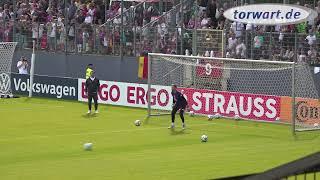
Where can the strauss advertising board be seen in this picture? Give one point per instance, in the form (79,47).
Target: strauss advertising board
(229,104)
(270,14)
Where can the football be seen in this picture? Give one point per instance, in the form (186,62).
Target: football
(278,119)
(217,116)
(210,117)
(137,122)
(316,125)
(87,146)
(204,138)
(237,117)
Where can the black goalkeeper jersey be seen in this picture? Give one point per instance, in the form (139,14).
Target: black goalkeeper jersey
(178,99)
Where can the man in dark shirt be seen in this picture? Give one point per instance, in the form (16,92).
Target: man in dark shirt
(179,103)
(92,88)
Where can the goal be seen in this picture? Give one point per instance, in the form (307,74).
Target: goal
(257,90)
(6,53)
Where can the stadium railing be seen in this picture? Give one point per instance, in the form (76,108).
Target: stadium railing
(160,37)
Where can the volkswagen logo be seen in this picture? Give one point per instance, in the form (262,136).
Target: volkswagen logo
(4,83)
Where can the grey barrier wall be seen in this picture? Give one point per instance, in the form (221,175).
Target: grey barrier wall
(109,68)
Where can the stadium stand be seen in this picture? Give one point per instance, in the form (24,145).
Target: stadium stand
(175,27)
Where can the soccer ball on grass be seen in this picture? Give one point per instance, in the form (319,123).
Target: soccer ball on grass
(87,146)
(137,122)
(204,138)
(217,116)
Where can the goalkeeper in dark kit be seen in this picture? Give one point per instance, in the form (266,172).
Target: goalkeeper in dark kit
(179,104)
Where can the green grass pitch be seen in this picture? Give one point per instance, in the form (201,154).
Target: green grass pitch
(43,138)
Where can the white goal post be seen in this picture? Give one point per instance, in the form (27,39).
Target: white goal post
(6,54)
(259,90)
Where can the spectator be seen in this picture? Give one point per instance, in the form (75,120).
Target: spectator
(241,49)
(71,35)
(221,19)
(90,14)
(302,28)
(1,13)
(312,55)
(35,29)
(139,16)
(61,33)
(203,4)
(232,42)
(258,42)
(23,65)
(237,29)
(85,39)
(72,10)
(211,13)
(205,22)
(193,23)
(302,58)
(311,39)
(52,30)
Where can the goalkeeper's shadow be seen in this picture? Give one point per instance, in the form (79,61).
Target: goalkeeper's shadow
(179,132)
(89,116)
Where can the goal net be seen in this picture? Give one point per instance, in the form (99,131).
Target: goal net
(255,90)
(6,54)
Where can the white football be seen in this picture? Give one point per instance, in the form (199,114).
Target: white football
(204,138)
(278,119)
(316,125)
(217,116)
(236,117)
(87,146)
(137,122)
(191,113)
(210,117)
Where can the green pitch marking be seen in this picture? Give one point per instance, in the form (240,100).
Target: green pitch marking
(43,139)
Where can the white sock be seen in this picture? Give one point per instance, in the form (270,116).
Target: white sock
(172,124)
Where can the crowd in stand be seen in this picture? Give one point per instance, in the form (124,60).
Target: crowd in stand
(54,23)
(78,24)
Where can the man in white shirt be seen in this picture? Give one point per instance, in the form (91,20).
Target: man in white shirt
(311,38)
(22,65)
(232,42)
(241,49)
